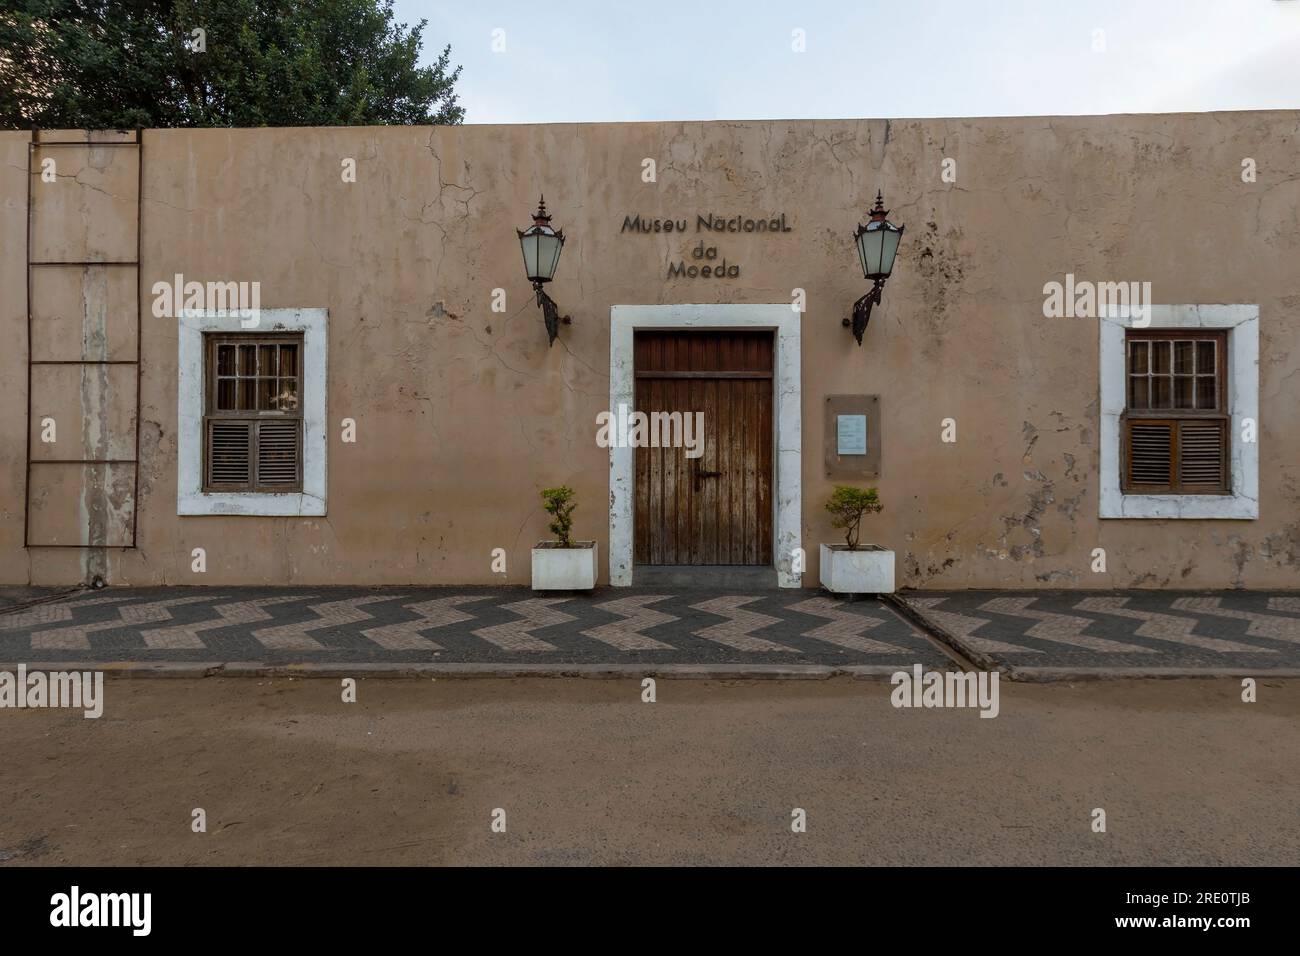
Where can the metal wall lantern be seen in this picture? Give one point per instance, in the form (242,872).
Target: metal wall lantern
(877,242)
(541,246)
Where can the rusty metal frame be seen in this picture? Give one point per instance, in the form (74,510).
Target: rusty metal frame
(34,144)
(87,262)
(27,484)
(86,142)
(139,321)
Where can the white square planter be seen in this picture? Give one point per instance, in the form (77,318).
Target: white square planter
(565,569)
(869,570)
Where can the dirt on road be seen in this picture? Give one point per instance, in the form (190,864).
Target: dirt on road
(711,773)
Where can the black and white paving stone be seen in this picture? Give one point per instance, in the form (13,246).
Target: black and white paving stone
(1119,629)
(1024,631)
(469,625)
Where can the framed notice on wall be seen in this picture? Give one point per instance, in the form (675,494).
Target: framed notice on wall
(852,436)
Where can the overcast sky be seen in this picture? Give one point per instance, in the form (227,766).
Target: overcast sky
(614,60)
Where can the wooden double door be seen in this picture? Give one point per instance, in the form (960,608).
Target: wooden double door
(715,509)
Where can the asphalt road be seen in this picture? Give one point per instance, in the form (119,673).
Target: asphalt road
(709,774)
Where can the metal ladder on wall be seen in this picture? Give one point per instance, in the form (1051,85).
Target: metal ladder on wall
(33,170)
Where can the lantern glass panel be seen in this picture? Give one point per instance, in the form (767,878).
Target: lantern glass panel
(869,249)
(548,254)
(889,248)
(529,244)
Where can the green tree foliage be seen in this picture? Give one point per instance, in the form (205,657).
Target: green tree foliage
(560,506)
(117,64)
(847,506)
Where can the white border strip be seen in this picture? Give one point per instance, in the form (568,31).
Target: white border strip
(190,497)
(788,442)
(1243,403)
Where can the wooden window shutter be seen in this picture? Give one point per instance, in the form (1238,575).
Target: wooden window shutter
(1177,428)
(253,413)
(278,444)
(1201,454)
(1178,456)
(229,457)
(1151,453)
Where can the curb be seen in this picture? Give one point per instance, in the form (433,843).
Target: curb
(152,670)
(498,671)
(182,669)
(1029,675)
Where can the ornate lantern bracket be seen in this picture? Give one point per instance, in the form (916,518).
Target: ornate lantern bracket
(550,314)
(877,243)
(541,246)
(862,310)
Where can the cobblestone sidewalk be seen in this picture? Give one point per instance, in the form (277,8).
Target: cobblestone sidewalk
(1029,633)
(1147,630)
(471,625)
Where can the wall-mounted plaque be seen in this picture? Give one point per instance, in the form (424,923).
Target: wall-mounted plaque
(852,436)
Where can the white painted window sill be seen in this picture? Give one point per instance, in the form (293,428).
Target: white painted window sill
(253,503)
(1181,506)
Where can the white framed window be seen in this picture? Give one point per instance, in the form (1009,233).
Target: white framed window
(1174,411)
(293,345)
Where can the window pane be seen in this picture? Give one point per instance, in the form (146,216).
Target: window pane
(1137,357)
(1206,396)
(255,373)
(1160,391)
(287,400)
(1205,357)
(1137,391)
(1160,357)
(1184,357)
(1184,393)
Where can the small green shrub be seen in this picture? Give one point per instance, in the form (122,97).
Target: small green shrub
(560,506)
(847,506)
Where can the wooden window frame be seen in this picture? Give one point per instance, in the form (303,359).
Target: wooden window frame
(1176,418)
(211,414)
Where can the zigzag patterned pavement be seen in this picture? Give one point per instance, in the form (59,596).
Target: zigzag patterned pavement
(1026,629)
(629,634)
(469,625)
(1139,629)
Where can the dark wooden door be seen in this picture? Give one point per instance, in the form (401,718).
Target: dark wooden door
(715,509)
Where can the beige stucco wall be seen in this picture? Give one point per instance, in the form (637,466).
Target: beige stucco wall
(463,413)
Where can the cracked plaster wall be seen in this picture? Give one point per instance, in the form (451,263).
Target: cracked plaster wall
(463,413)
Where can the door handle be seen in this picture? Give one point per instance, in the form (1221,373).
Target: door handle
(700,474)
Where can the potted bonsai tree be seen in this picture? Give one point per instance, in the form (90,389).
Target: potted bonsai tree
(563,564)
(853,568)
